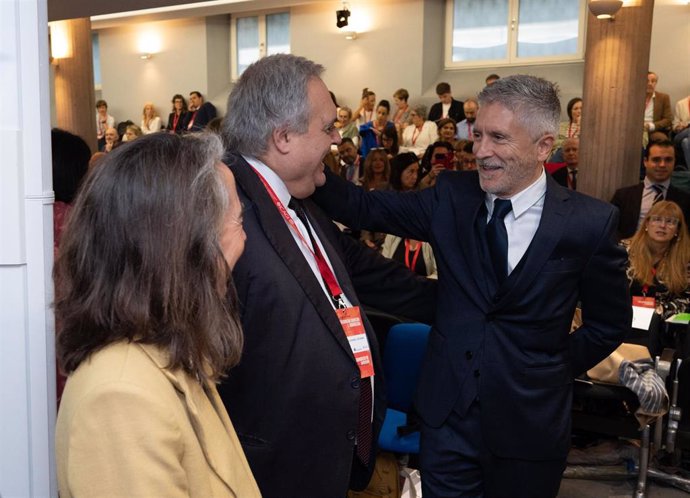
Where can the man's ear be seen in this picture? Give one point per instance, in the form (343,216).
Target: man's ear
(544,146)
(282,140)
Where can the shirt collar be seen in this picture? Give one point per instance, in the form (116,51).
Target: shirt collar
(523,200)
(648,183)
(272,179)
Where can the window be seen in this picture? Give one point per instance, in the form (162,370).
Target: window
(257,36)
(96,54)
(508,32)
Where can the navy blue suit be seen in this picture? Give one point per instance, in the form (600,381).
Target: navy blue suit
(504,353)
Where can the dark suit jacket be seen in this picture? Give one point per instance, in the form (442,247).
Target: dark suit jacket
(628,200)
(293,398)
(508,345)
(456,111)
(561,176)
(202,116)
(663,114)
(181,122)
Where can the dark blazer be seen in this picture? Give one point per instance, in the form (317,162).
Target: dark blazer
(628,200)
(181,122)
(201,117)
(561,176)
(293,398)
(456,111)
(508,345)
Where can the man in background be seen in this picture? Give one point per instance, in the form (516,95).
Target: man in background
(447,107)
(657,107)
(567,175)
(200,112)
(635,201)
(466,126)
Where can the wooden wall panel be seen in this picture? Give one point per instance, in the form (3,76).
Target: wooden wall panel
(74,86)
(615,78)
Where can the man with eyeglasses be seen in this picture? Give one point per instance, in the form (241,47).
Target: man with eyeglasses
(635,201)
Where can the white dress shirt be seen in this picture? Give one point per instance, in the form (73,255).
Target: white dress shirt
(648,196)
(522,222)
(283,195)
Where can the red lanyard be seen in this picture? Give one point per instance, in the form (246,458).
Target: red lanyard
(469,130)
(645,287)
(414,258)
(191,121)
(176,118)
(414,137)
(324,269)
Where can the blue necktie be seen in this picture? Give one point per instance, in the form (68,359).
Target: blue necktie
(497,238)
(658,193)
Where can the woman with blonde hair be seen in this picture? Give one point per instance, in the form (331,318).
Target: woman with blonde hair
(658,259)
(150,121)
(148,322)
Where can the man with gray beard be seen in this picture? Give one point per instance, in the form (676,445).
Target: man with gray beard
(516,252)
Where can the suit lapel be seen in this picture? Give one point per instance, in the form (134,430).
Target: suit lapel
(278,234)
(551,226)
(471,242)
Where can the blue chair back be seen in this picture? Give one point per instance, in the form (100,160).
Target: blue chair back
(402,359)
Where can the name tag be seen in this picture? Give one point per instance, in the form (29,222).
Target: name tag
(643,311)
(351,321)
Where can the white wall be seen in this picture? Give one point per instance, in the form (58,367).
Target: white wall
(27,358)
(400,44)
(670,50)
(179,67)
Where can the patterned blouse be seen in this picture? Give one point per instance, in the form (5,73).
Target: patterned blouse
(667,304)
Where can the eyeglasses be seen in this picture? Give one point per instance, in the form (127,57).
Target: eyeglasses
(664,220)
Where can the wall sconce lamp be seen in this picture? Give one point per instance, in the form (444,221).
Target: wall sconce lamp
(342,16)
(605,9)
(145,56)
(351,35)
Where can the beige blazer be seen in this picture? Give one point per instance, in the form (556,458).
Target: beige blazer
(127,426)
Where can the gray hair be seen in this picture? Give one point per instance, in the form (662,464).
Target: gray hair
(420,110)
(271,94)
(534,101)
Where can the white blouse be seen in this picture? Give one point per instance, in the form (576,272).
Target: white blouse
(414,140)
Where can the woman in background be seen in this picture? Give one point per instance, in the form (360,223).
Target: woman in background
(570,128)
(420,134)
(416,255)
(148,323)
(132,132)
(346,127)
(150,121)
(177,119)
(401,118)
(447,130)
(658,258)
(389,141)
(365,112)
(371,131)
(377,172)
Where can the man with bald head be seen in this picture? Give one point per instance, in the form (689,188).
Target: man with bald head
(567,175)
(466,126)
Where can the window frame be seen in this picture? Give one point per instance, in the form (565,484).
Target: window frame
(261,18)
(512,23)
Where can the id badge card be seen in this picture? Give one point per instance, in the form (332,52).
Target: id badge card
(351,321)
(643,311)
